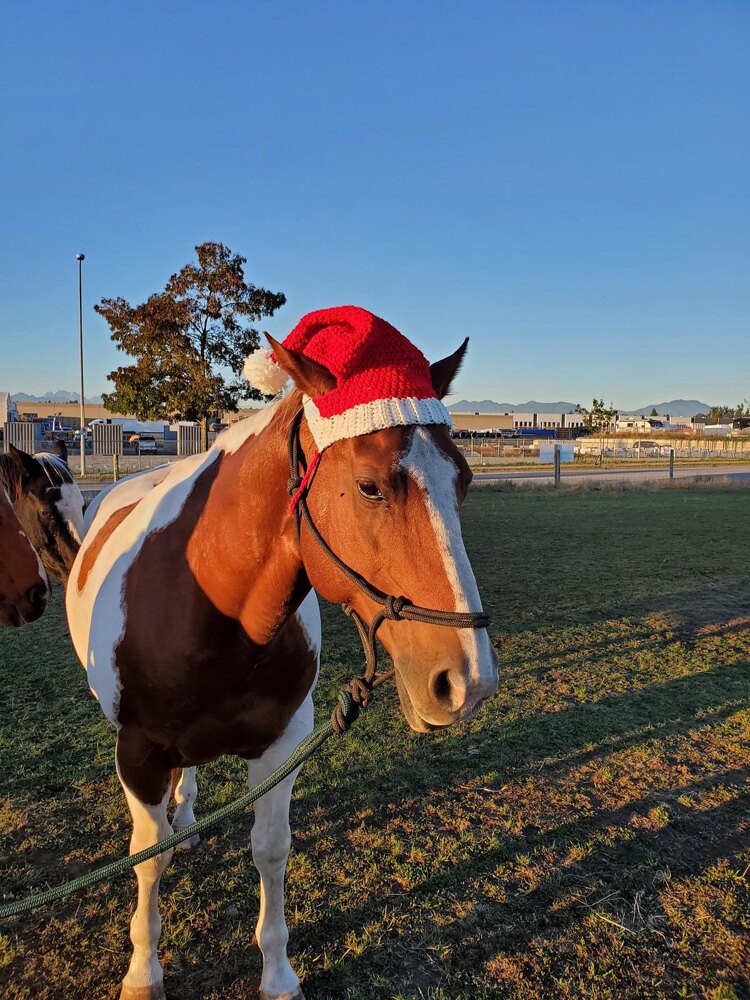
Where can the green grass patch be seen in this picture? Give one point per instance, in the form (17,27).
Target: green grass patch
(585,835)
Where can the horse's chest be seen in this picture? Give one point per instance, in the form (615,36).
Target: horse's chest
(192,680)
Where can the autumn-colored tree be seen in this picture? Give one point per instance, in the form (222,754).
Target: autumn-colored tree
(185,338)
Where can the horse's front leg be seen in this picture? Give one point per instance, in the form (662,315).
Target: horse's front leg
(143,775)
(271,840)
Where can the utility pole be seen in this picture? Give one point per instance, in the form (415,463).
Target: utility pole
(80,257)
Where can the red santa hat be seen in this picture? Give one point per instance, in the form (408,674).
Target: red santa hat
(382,379)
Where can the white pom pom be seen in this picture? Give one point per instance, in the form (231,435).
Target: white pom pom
(263,373)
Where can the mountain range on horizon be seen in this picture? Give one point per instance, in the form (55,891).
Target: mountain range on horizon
(675,407)
(60,396)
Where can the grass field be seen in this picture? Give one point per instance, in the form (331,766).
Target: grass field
(586,835)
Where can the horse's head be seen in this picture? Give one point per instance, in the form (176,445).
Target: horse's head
(50,507)
(388,504)
(23,583)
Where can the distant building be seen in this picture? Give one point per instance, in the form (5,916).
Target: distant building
(70,413)
(478,422)
(8,409)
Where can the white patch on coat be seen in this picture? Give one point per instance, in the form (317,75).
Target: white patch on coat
(150,824)
(437,478)
(96,616)
(128,490)
(234,437)
(271,840)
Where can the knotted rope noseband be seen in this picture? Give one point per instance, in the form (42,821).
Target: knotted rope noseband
(356,694)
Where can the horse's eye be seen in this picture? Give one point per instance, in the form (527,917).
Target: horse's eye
(369,490)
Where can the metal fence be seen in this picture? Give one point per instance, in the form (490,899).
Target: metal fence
(106,439)
(189,440)
(24,435)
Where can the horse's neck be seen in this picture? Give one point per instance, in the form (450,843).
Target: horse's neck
(243,550)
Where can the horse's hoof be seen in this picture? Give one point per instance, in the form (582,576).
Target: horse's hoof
(143,992)
(299,995)
(190,843)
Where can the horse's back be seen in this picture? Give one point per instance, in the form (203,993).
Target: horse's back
(126,491)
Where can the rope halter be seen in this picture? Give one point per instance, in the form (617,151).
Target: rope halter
(357,693)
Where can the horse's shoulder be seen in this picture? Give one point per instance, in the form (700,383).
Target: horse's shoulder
(156,495)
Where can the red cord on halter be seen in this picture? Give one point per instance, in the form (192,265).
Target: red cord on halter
(305,481)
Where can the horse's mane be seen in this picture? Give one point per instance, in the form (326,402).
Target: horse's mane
(56,469)
(9,478)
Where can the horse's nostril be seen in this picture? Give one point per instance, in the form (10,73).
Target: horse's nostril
(37,597)
(442,687)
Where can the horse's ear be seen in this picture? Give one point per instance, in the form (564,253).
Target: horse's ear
(443,372)
(310,376)
(27,464)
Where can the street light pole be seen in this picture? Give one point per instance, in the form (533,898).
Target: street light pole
(80,257)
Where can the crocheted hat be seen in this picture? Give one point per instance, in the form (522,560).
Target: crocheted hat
(382,379)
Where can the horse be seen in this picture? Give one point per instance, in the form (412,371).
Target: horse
(24,588)
(192,605)
(49,505)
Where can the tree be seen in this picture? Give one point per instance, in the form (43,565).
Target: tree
(598,420)
(654,412)
(185,338)
(717,413)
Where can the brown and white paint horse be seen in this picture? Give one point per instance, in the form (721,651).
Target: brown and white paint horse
(23,583)
(48,503)
(190,605)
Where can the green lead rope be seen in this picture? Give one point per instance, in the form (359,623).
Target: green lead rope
(304,751)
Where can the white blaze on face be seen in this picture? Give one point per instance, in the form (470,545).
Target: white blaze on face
(70,506)
(437,478)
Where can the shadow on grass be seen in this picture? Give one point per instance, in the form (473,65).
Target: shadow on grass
(507,750)
(608,883)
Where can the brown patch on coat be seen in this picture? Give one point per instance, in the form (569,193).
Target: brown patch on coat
(195,685)
(97,544)
(243,551)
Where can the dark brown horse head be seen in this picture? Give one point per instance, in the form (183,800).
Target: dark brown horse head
(49,505)
(388,504)
(23,583)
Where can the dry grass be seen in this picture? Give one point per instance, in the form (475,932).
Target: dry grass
(584,836)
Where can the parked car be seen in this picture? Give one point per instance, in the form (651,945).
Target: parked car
(146,444)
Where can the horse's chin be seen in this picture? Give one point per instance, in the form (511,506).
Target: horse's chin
(415,720)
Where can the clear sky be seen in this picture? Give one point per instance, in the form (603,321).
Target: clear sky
(568,183)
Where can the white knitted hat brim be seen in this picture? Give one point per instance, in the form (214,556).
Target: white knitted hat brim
(365,418)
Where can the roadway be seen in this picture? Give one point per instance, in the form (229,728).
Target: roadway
(739,472)
(734,473)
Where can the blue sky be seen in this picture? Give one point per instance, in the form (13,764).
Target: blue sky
(567,183)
